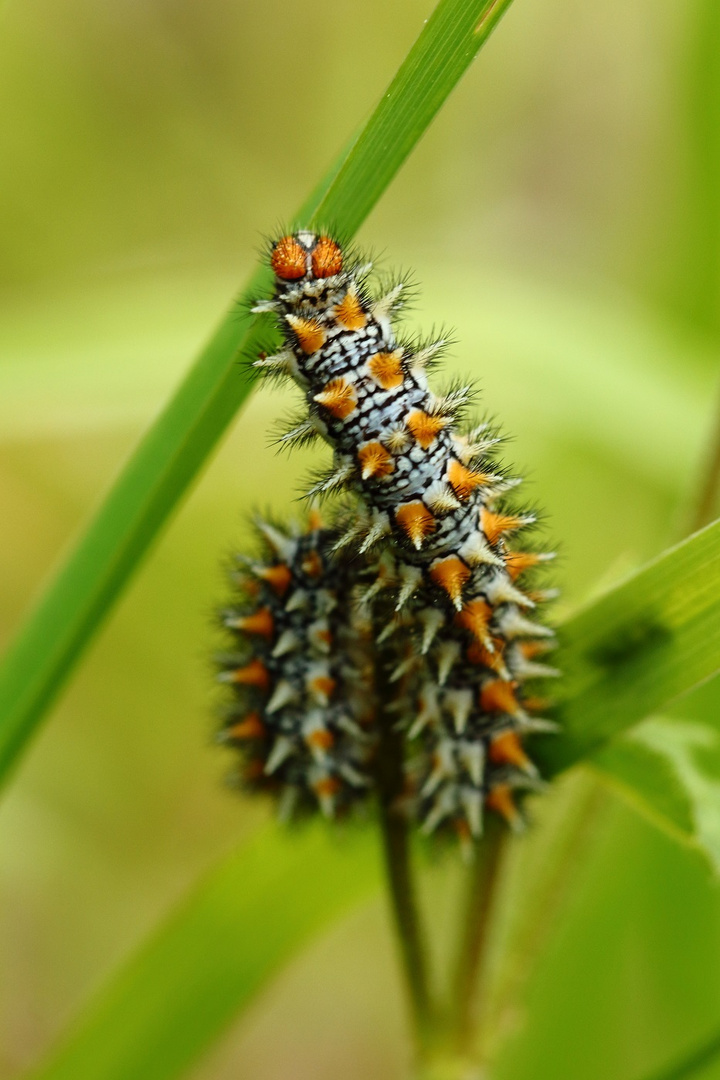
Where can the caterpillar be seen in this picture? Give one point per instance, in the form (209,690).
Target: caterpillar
(425,537)
(301,707)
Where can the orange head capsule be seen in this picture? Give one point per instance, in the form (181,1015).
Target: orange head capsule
(327,258)
(304,252)
(289,259)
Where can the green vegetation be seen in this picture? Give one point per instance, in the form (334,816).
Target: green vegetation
(602,925)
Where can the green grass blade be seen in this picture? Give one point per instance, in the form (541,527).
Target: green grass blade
(637,648)
(435,64)
(171,454)
(215,953)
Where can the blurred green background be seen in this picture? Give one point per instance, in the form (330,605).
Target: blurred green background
(563,215)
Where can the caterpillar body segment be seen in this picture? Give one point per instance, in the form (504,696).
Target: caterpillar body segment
(301,708)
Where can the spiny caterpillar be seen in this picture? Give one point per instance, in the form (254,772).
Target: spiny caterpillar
(300,709)
(422,540)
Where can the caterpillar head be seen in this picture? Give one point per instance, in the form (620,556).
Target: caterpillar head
(305,254)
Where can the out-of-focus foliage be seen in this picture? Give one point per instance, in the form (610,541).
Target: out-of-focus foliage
(208,961)
(637,649)
(562,216)
(672,767)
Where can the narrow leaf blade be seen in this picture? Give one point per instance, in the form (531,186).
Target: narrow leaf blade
(637,648)
(447,46)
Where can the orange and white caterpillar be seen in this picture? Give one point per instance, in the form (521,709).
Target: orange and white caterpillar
(425,519)
(301,708)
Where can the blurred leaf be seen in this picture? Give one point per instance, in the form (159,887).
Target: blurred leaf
(215,953)
(701,1056)
(100,354)
(433,67)
(670,769)
(172,452)
(626,376)
(647,780)
(695,254)
(606,372)
(636,649)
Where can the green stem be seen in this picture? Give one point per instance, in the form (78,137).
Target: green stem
(477,921)
(396,847)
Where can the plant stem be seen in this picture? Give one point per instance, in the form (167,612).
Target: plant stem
(476,923)
(407,923)
(396,847)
